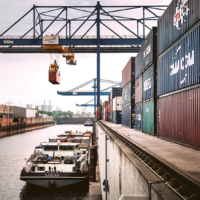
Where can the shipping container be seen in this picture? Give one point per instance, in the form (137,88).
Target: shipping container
(110,116)
(138,117)
(117,104)
(149,122)
(128,93)
(106,116)
(180,67)
(107,111)
(149,49)
(128,115)
(117,117)
(179,117)
(138,90)
(138,65)
(115,91)
(105,103)
(110,106)
(108,99)
(149,82)
(54,77)
(128,73)
(179,17)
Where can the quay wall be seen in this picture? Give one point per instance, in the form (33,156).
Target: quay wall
(72,120)
(8,127)
(126,174)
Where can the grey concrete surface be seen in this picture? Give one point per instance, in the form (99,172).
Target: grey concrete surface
(181,158)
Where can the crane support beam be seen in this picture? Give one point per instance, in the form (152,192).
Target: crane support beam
(86,105)
(82,93)
(106,41)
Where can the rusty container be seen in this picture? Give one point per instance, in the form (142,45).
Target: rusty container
(54,77)
(106,116)
(128,73)
(179,117)
(138,90)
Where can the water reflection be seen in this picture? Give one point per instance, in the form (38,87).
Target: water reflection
(14,150)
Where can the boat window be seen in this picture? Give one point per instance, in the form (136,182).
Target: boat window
(51,148)
(41,168)
(65,148)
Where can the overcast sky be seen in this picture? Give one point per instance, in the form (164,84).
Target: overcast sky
(24,77)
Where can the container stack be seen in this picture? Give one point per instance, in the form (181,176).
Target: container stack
(179,73)
(146,85)
(128,94)
(117,110)
(105,103)
(116,92)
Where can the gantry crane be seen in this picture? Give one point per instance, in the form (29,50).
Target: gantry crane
(74,92)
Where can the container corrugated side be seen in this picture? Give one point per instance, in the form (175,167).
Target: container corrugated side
(117,117)
(179,117)
(128,73)
(138,65)
(128,93)
(179,67)
(138,90)
(149,49)
(110,116)
(148,84)
(128,115)
(115,91)
(117,104)
(149,124)
(110,106)
(179,17)
(138,117)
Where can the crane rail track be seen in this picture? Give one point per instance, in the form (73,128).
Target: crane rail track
(183,185)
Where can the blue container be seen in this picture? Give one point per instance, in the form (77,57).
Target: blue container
(138,65)
(110,116)
(128,93)
(128,115)
(180,66)
(117,117)
(148,84)
(178,18)
(149,49)
(115,92)
(138,117)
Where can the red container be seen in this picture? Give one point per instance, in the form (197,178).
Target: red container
(105,103)
(128,73)
(54,77)
(108,99)
(107,110)
(179,117)
(106,116)
(138,90)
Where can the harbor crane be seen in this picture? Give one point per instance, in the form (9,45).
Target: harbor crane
(45,17)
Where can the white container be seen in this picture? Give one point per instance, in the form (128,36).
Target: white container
(117,104)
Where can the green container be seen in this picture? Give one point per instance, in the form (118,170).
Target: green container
(149,117)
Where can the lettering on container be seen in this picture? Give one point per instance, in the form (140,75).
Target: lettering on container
(182,64)
(147,110)
(147,50)
(147,84)
(181,14)
(8,42)
(138,117)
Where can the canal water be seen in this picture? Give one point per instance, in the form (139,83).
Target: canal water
(14,150)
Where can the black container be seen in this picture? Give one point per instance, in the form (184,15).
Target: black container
(110,116)
(148,84)
(128,93)
(180,66)
(138,65)
(115,92)
(117,117)
(128,115)
(149,49)
(138,117)
(179,17)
